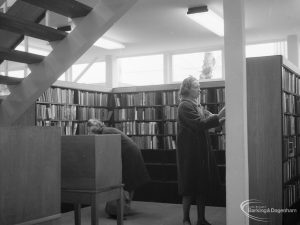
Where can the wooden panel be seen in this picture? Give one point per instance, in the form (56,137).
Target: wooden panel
(265,133)
(29,28)
(10,80)
(166,87)
(68,8)
(87,87)
(19,56)
(21,10)
(29,173)
(91,162)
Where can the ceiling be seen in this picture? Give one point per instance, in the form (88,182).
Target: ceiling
(156,26)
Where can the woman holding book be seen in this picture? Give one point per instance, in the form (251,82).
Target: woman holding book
(194,159)
(134,172)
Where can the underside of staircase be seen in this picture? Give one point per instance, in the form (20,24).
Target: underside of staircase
(22,19)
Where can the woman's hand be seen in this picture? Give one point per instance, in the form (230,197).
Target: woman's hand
(222,120)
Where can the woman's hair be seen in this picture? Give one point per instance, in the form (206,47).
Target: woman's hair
(185,86)
(95,123)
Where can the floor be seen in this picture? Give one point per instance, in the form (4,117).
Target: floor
(149,213)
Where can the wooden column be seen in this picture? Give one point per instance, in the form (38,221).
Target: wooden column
(293,49)
(237,180)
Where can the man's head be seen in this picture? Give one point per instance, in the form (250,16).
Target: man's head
(94,126)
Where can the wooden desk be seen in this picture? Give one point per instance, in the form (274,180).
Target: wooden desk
(92,173)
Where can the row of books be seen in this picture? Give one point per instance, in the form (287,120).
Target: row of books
(170,98)
(290,81)
(289,104)
(67,127)
(169,143)
(86,113)
(56,112)
(170,112)
(92,98)
(215,95)
(291,194)
(134,128)
(70,112)
(290,170)
(170,128)
(69,96)
(137,99)
(289,125)
(290,145)
(136,114)
(146,142)
(153,142)
(58,95)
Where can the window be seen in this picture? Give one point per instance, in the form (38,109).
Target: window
(142,70)
(16,73)
(202,65)
(62,77)
(89,74)
(266,49)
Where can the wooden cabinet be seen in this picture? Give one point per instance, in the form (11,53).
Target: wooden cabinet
(91,162)
(92,173)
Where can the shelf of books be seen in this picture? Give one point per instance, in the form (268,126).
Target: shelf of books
(274,135)
(148,115)
(70,108)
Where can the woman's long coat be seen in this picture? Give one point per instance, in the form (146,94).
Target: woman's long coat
(193,149)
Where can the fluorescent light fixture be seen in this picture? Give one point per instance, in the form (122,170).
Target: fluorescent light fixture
(108,44)
(207,19)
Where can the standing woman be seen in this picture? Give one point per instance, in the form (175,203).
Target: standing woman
(193,146)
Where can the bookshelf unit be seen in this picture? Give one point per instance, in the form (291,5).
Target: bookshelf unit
(148,115)
(273,98)
(69,106)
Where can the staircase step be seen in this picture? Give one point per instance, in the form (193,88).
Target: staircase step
(20,10)
(68,8)
(10,80)
(29,28)
(19,56)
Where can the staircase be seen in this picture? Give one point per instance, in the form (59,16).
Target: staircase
(23,18)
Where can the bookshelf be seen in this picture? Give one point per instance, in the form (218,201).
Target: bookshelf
(273,135)
(148,115)
(70,106)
